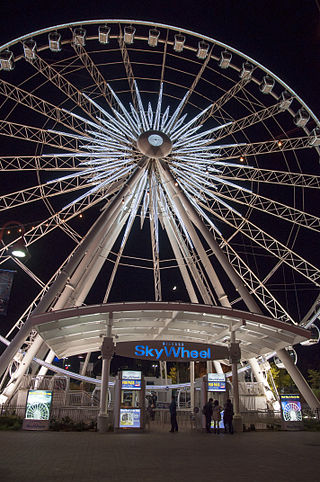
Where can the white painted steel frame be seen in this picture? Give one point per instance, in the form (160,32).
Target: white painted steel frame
(71,289)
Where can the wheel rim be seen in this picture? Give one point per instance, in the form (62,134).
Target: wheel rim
(261,147)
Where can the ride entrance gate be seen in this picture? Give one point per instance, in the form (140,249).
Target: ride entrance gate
(68,331)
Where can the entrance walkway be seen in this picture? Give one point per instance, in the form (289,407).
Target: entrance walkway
(155,457)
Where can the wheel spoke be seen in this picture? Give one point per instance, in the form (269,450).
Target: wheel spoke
(42,191)
(237,172)
(257,148)
(256,286)
(270,244)
(64,85)
(42,136)
(248,121)
(43,107)
(43,163)
(269,206)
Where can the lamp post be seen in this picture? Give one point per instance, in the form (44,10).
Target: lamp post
(18,248)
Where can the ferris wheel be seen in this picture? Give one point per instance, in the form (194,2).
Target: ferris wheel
(181,157)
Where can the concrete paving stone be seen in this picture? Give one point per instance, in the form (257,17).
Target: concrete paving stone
(160,456)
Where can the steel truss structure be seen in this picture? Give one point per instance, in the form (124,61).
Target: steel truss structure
(116,129)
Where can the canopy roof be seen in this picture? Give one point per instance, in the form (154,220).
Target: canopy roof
(73,331)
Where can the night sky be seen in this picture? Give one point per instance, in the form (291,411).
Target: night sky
(282,35)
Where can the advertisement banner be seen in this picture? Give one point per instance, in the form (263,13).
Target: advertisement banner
(216,382)
(131,380)
(6,280)
(37,410)
(129,418)
(291,411)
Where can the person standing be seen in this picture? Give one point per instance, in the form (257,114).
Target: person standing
(228,416)
(173,415)
(207,412)
(216,416)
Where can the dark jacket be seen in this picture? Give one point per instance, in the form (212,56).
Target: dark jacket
(228,411)
(208,409)
(173,407)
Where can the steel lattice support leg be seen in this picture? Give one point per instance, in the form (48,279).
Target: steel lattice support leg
(299,380)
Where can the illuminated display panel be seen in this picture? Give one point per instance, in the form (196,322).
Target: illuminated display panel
(131,380)
(216,382)
(291,408)
(129,418)
(38,404)
(221,424)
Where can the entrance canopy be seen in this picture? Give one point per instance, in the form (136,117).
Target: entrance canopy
(73,331)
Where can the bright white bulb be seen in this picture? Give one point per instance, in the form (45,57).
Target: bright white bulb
(18,253)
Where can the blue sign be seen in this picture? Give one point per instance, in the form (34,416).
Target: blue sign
(216,382)
(171,350)
(129,418)
(179,352)
(131,380)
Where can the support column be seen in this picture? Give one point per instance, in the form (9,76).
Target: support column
(92,239)
(85,364)
(107,350)
(192,386)
(165,373)
(299,380)
(43,370)
(9,391)
(261,378)
(235,356)
(217,366)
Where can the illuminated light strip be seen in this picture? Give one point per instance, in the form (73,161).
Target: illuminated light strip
(232,184)
(165,117)
(150,114)
(79,117)
(199,185)
(134,208)
(136,117)
(73,136)
(170,123)
(120,122)
(106,138)
(143,117)
(124,110)
(122,128)
(95,189)
(205,216)
(156,124)
(186,134)
(111,157)
(78,154)
(197,172)
(187,126)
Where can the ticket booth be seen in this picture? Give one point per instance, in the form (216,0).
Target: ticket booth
(129,403)
(214,386)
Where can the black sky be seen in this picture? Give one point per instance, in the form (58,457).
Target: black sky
(283,35)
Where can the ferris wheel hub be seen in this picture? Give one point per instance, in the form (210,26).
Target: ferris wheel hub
(154,144)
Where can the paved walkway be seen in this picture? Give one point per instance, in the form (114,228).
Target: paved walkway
(153,457)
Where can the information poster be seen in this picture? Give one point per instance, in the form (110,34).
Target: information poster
(131,380)
(291,408)
(129,418)
(216,382)
(291,412)
(38,410)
